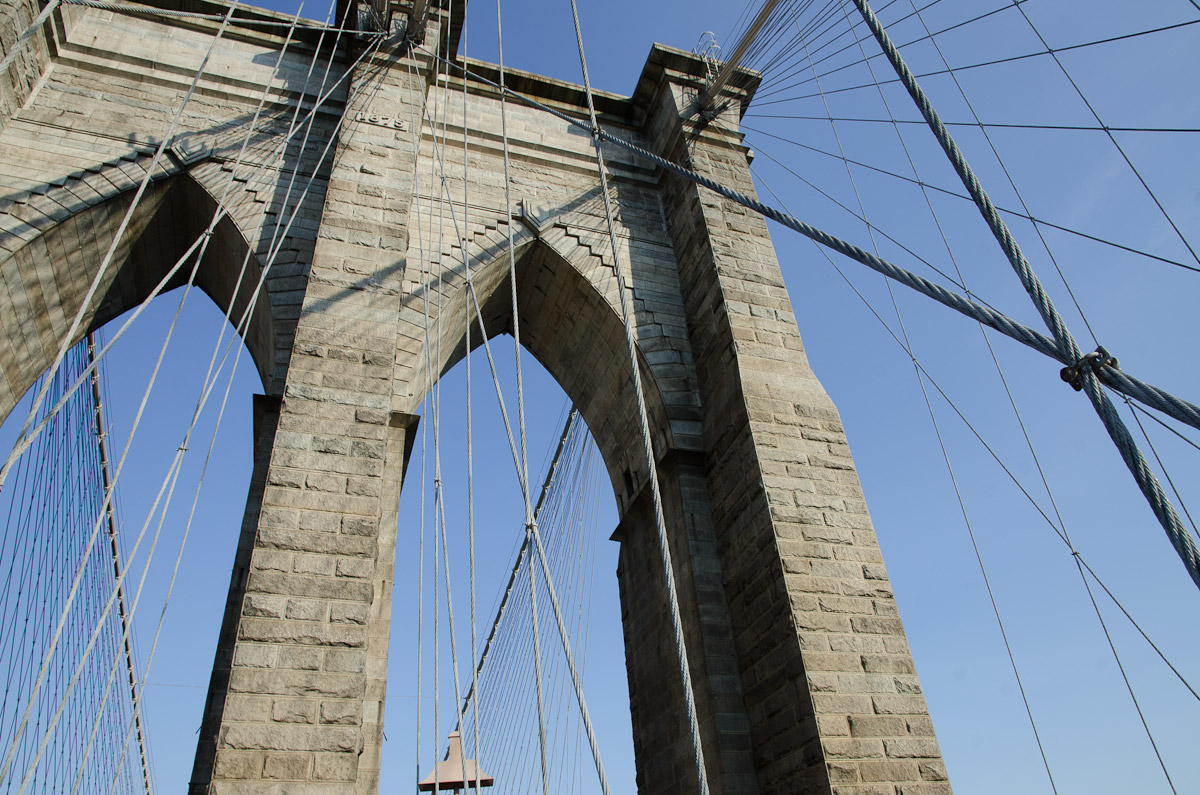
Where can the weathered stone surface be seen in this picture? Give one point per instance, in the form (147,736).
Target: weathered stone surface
(803,679)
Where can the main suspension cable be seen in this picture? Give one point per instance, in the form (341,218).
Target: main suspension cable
(1068,349)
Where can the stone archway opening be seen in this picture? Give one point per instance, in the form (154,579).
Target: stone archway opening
(575,333)
(54,269)
(499,519)
(182,658)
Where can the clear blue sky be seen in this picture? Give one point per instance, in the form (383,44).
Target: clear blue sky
(1141,309)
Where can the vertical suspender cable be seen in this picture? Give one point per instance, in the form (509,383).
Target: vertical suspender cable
(524,550)
(660,524)
(1152,396)
(85,302)
(102,445)
(1068,349)
(530,521)
(478,755)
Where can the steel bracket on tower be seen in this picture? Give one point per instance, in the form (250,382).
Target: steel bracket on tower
(417,20)
(709,95)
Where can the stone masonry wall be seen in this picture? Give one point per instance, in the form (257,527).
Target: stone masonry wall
(72,158)
(305,694)
(803,679)
(19,78)
(834,701)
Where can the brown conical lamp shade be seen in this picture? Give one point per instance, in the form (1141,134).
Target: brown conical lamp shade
(449,772)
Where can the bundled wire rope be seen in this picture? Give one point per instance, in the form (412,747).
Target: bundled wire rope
(56,494)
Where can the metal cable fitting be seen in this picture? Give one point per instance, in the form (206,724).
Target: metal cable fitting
(1100,357)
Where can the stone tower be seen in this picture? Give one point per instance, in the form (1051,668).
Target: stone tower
(803,680)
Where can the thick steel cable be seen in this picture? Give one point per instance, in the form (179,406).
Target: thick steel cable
(1120,149)
(118,236)
(771,82)
(1065,535)
(1065,343)
(28,34)
(990,125)
(1161,464)
(1118,380)
(1011,181)
(660,522)
(1181,410)
(993,62)
(1059,532)
(523,466)
(907,345)
(474,688)
(1025,216)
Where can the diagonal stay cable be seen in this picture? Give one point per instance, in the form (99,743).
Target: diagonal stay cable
(28,34)
(1068,349)
(474,686)
(1008,472)
(997,61)
(946,191)
(986,124)
(1061,533)
(1118,380)
(129,8)
(84,304)
(173,470)
(118,236)
(523,464)
(220,213)
(660,523)
(1112,139)
(136,721)
(547,484)
(102,447)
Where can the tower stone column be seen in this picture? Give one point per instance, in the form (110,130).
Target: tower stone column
(831,692)
(803,680)
(298,691)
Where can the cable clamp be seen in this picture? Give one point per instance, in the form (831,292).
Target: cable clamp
(1100,357)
